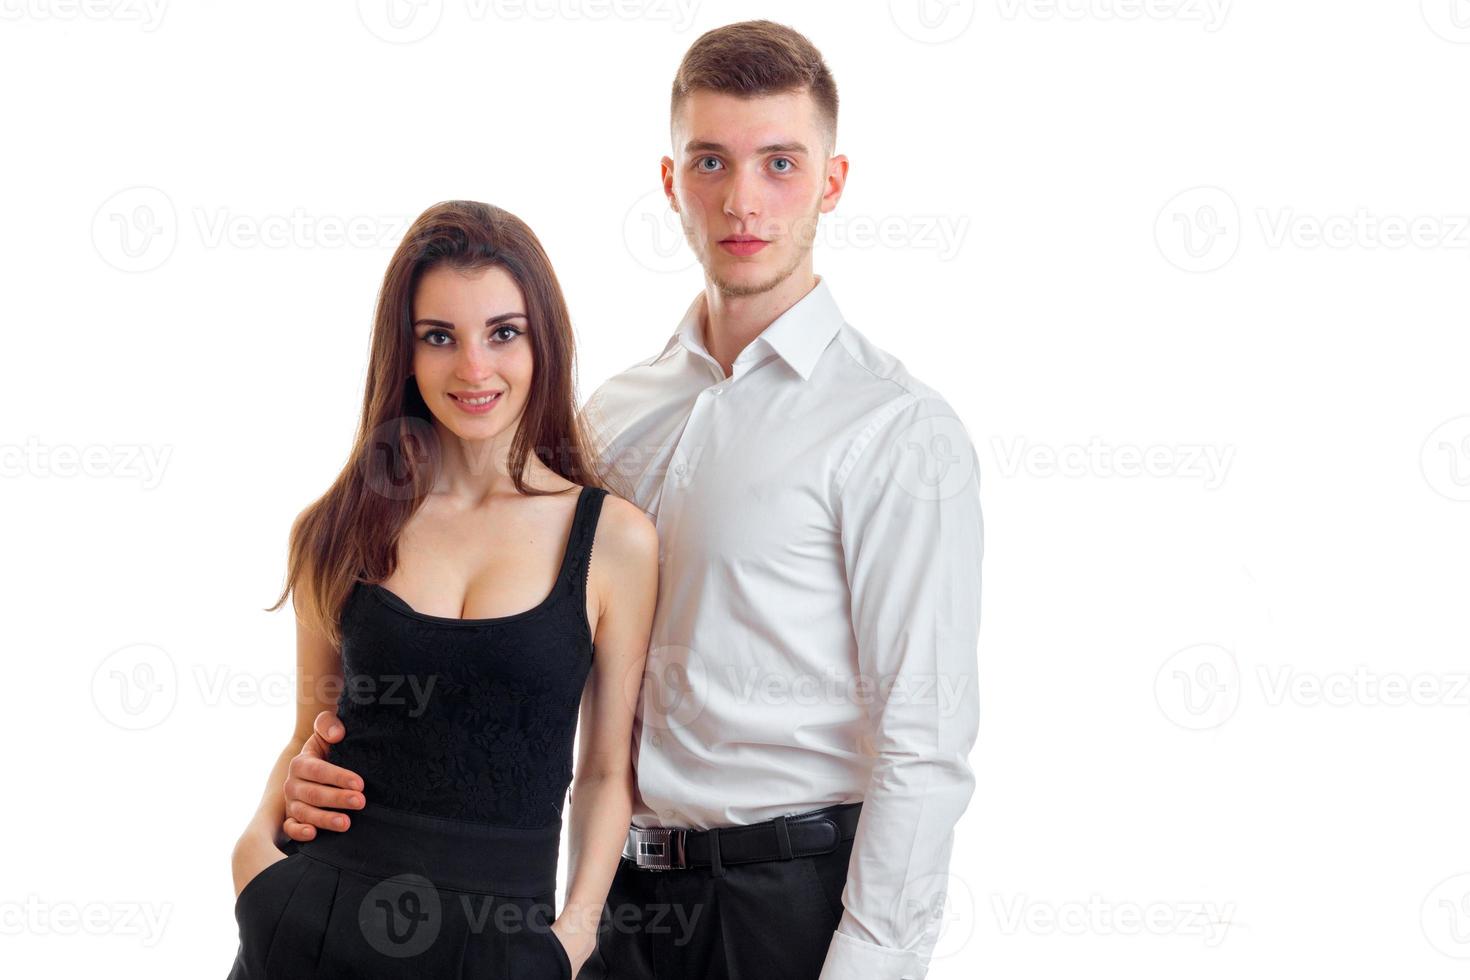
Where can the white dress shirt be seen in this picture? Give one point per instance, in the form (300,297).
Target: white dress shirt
(814,642)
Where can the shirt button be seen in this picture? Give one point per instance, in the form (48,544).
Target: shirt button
(661,556)
(717,391)
(680,469)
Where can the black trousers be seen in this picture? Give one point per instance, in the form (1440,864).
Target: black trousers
(402,894)
(766,920)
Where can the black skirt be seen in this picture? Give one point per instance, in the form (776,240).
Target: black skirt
(402,894)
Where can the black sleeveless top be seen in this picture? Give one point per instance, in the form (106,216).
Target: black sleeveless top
(469,718)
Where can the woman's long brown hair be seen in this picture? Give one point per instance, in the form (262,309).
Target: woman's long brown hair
(351,532)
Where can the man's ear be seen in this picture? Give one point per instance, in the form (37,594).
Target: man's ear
(836,181)
(666,178)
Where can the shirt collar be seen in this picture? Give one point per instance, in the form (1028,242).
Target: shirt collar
(799,335)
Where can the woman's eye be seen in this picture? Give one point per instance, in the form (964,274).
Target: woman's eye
(429,337)
(514,333)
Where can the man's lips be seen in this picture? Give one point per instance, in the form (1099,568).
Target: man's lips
(743,244)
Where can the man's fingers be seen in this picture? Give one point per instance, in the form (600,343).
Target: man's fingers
(328,726)
(309,769)
(325,819)
(322,795)
(298,831)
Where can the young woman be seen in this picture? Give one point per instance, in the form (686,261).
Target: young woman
(448,605)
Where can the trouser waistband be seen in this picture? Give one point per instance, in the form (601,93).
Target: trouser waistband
(457,854)
(781,838)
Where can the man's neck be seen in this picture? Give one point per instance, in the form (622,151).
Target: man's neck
(732,322)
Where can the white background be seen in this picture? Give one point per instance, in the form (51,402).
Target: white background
(1224,695)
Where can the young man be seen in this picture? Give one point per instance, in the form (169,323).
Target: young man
(810,700)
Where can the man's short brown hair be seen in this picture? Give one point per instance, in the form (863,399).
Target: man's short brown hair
(757,57)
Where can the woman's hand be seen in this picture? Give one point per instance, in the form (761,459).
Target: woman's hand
(253,854)
(578,943)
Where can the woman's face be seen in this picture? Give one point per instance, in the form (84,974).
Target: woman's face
(470,342)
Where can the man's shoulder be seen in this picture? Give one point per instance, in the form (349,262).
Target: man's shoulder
(880,379)
(628,399)
(630,386)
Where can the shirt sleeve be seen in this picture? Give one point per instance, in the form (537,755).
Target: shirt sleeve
(912,540)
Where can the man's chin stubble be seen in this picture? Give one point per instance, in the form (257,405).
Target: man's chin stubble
(732,290)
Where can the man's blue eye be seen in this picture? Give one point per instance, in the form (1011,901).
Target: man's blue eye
(788,163)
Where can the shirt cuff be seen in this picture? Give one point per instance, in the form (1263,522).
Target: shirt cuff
(853,959)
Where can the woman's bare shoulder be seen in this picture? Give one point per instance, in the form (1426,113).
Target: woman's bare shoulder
(626,537)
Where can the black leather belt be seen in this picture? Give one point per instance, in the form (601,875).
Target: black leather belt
(782,838)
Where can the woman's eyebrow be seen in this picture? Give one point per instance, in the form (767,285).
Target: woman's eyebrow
(446,325)
(702,146)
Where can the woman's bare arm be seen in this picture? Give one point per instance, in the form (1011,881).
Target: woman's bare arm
(624,577)
(318,678)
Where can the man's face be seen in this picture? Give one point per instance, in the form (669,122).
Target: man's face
(749,177)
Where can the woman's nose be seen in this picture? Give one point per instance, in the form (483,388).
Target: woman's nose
(475,363)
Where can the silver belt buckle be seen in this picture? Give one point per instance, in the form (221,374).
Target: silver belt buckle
(657,848)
